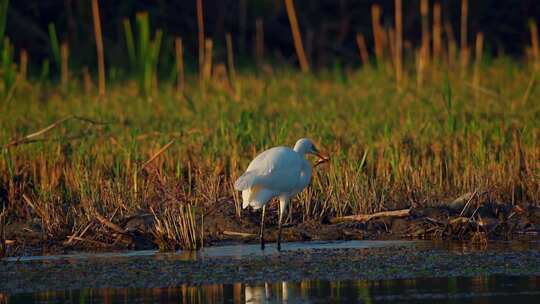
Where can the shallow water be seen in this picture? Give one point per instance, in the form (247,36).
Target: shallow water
(493,289)
(308,272)
(236,250)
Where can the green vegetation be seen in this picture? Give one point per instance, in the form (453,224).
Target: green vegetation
(389,147)
(146,147)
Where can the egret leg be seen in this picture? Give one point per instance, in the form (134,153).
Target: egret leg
(283,201)
(262,227)
(279,235)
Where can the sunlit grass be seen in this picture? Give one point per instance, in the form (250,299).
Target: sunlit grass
(389,148)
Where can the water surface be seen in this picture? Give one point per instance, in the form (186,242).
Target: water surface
(493,289)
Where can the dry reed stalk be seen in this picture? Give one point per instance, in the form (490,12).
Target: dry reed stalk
(423,54)
(64,63)
(99,47)
(179,55)
(399,42)
(377,31)
(362,48)
(424,12)
(207,65)
(259,42)
(452,46)
(87,80)
(23,68)
(534,43)
(236,199)
(437,42)
(158,153)
(420,67)
(391,34)
(464,48)
(463,30)
(230,59)
(304,65)
(200,27)
(478,60)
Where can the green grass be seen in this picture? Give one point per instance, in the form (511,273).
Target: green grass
(389,148)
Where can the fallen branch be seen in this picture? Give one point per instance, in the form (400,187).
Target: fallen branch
(31,136)
(73,236)
(109,224)
(368,217)
(241,234)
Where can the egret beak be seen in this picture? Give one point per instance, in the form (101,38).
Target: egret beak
(322,158)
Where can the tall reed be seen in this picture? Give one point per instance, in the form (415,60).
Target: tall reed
(179,56)
(399,42)
(200,31)
(55,46)
(464,48)
(362,48)
(297,37)
(377,32)
(143,53)
(23,68)
(534,43)
(8,68)
(4,4)
(259,41)
(437,30)
(99,47)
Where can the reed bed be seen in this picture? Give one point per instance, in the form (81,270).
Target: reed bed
(389,149)
(175,155)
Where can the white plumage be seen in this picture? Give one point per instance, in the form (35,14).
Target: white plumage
(277,172)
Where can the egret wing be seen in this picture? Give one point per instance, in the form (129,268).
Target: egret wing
(277,169)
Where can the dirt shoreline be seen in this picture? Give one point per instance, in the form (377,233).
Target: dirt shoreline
(454,221)
(392,262)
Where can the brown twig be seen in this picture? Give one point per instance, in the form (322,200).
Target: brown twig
(368,217)
(241,234)
(109,224)
(30,137)
(158,153)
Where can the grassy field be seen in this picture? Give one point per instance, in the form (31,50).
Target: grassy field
(390,148)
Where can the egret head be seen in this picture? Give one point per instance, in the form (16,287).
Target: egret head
(306,146)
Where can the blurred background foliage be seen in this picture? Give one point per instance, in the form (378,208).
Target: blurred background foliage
(328,26)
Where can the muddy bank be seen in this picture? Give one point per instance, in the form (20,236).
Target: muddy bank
(162,270)
(465,218)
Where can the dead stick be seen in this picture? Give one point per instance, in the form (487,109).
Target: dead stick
(234,233)
(158,153)
(28,137)
(368,217)
(109,224)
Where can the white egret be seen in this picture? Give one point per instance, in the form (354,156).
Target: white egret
(277,172)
